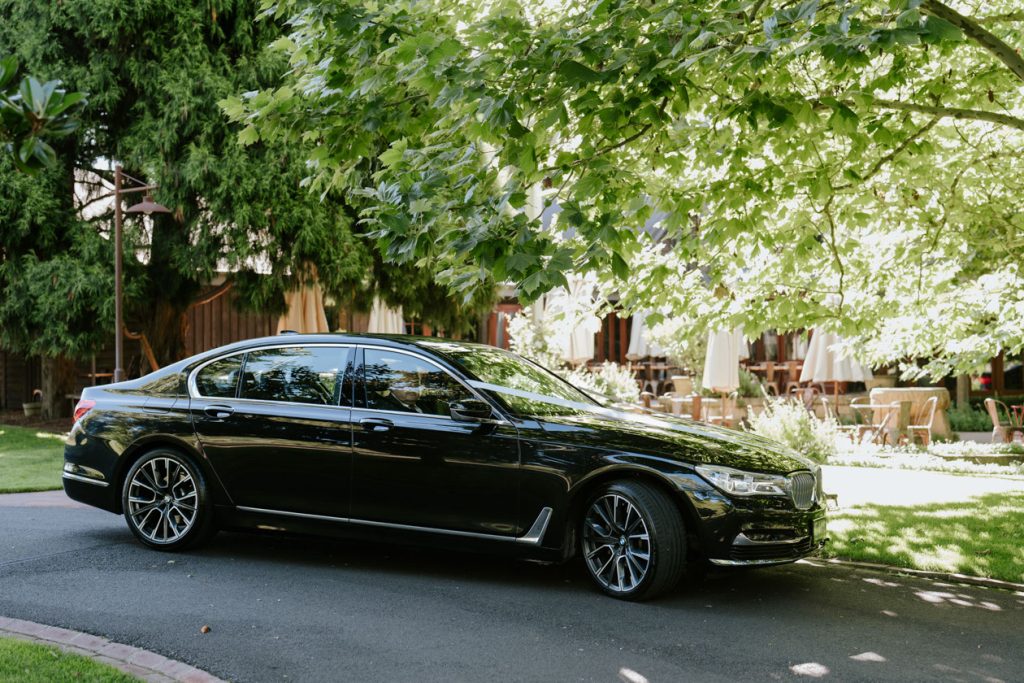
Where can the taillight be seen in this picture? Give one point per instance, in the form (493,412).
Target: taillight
(84,406)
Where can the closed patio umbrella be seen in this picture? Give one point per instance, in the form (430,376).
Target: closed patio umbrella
(305,310)
(384,320)
(570,312)
(823,364)
(639,345)
(722,364)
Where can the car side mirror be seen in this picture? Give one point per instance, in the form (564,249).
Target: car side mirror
(471,410)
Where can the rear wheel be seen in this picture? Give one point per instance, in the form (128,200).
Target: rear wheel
(633,540)
(165,501)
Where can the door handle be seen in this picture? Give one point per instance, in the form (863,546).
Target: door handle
(376,424)
(219,412)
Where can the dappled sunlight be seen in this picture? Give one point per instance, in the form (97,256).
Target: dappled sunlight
(49,435)
(980,536)
(810,669)
(868,657)
(958,599)
(627,675)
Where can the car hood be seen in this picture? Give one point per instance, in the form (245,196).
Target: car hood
(674,438)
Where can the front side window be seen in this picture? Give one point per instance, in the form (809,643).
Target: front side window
(554,396)
(401,383)
(219,379)
(295,374)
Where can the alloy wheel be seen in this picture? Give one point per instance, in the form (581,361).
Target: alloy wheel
(162,500)
(616,543)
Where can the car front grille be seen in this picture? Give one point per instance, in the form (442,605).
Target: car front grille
(802,485)
(772,551)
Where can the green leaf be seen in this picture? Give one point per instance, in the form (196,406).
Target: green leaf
(575,73)
(939,29)
(249,135)
(394,153)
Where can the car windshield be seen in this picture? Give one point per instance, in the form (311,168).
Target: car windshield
(516,374)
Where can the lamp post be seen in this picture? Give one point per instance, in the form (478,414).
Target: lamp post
(146,206)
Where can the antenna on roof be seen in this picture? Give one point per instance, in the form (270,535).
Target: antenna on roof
(287,332)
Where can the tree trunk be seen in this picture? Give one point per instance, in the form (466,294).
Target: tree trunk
(963,391)
(58,380)
(164,328)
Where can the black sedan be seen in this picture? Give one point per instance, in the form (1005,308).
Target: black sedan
(431,441)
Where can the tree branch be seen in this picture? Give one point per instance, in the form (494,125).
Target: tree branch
(877,166)
(979,34)
(954,112)
(1009,17)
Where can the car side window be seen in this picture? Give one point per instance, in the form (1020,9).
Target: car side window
(402,383)
(219,379)
(294,374)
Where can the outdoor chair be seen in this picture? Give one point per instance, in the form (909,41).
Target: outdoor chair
(1002,429)
(925,428)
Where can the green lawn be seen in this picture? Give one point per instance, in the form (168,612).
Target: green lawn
(31,663)
(30,460)
(980,536)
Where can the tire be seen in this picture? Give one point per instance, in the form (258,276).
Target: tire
(614,545)
(163,517)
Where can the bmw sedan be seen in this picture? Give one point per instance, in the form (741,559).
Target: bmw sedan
(439,442)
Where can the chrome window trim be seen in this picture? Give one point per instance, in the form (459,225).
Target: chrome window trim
(533,536)
(193,391)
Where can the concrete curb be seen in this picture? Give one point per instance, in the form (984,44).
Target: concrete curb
(922,573)
(149,666)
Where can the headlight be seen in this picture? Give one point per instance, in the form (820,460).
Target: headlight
(740,483)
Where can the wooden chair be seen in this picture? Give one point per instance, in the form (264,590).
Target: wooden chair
(925,428)
(1002,430)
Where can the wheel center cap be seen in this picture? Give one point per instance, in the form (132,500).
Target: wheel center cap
(622,540)
(167,499)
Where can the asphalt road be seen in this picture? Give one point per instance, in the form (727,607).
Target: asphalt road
(311,610)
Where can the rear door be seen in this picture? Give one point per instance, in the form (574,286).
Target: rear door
(276,423)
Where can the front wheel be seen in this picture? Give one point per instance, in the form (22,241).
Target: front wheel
(165,501)
(633,540)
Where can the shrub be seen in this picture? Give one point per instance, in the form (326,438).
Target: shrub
(610,379)
(789,422)
(969,419)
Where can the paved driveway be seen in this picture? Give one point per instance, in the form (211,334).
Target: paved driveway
(310,610)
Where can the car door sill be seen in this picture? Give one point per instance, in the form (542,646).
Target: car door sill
(533,537)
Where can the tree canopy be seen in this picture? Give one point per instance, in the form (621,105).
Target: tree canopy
(814,164)
(155,71)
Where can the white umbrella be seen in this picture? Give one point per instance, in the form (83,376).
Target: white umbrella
(822,364)
(305,310)
(825,365)
(570,313)
(384,320)
(639,345)
(722,361)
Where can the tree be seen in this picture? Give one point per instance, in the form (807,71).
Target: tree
(32,112)
(155,71)
(853,166)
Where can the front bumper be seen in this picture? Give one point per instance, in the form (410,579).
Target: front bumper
(757,531)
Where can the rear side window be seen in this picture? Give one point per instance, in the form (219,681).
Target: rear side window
(219,379)
(295,374)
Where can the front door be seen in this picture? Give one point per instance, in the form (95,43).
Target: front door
(414,465)
(280,438)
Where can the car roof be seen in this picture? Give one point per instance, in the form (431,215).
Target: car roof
(290,338)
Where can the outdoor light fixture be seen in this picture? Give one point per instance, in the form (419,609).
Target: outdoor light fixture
(147,206)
